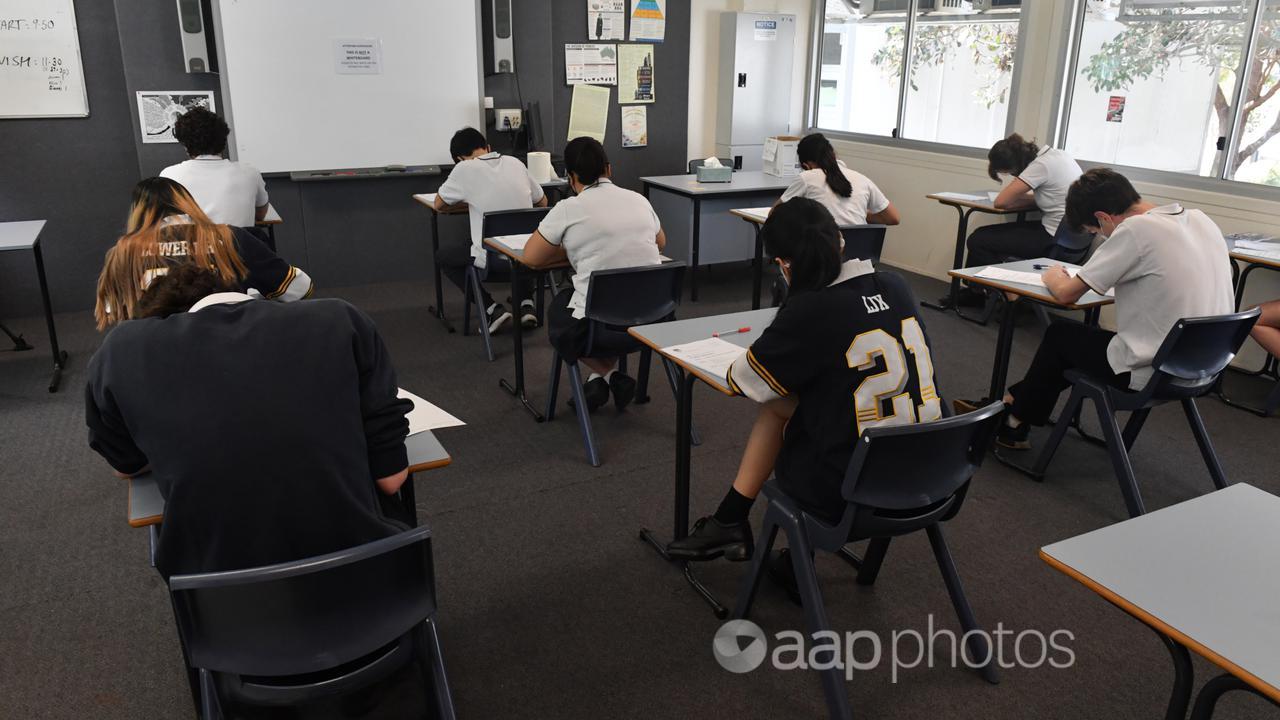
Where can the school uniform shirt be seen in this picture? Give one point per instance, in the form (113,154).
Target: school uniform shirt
(866,198)
(1166,264)
(855,356)
(269,276)
(228,192)
(1050,176)
(265,426)
(602,228)
(488,183)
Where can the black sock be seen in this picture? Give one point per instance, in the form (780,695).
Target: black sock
(734,508)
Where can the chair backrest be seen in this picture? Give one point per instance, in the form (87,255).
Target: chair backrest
(906,477)
(635,295)
(695,164)
(309,615)
(1197,350)
(512,222)
(863,242)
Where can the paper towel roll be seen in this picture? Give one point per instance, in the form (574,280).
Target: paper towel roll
(540,166)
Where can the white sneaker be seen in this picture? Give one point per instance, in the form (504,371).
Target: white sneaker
(497,316)
(528,314)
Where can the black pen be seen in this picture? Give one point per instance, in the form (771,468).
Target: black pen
(1038,266)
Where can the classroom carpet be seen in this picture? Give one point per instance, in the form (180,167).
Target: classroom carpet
(550,606)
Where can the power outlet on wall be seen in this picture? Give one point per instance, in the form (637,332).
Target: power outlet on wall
(507,119)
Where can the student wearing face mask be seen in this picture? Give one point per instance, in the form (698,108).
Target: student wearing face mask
(1165,263)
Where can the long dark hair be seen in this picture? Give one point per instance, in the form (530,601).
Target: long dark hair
(817,150)
(803,233)
(1011,155)
(586,159)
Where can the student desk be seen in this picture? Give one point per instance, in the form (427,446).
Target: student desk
(25,235)
(1271,368)
(965,206)
(688,209)
(269,223)
(146,504)
(1091,302)
(1202,574)
(659,336)
(427,200)
(516,258)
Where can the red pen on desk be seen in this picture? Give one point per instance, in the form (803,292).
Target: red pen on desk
(731,332)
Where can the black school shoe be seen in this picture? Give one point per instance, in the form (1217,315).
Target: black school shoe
(623,388)
(497,315)
(596,392)
(1014,438)
(710,539)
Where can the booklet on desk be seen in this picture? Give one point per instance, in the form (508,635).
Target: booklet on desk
(426,416)
(712,354)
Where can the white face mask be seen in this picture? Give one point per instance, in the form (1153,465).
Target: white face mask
(786,271)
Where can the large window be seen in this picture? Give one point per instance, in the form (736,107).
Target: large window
(960,55)
(1187,87)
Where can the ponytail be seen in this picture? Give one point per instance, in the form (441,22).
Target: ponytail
(817,150)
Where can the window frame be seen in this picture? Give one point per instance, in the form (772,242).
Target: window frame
(1068,66)
(812,91)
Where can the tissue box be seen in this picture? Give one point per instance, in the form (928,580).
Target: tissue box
(714,174)
(781,156)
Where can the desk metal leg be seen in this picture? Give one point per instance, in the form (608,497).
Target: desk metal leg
(59,356)
(1004,348)
(695,242)
(19,343)
(684,419)
(1270,367)
(517,340)
(1207,700)
(271,237)
(952,298)
(1183,678)
(438,309)
(758,266)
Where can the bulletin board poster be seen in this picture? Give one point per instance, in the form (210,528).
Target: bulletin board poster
(607,19)
(635,126)
(591,64)
(635,74)
(648,20)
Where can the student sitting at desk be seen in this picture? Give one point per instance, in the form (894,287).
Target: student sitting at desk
(601,228)
(850,197)
(230,193)
(165,227)
(270,428)
(486,181)
(1266,331)
(1041,177)
(846,352)
(1165,263)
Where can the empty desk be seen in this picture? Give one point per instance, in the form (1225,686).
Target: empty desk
(25,235)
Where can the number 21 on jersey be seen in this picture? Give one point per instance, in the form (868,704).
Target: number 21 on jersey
(891,385)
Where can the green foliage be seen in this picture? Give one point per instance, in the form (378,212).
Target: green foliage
(992,47)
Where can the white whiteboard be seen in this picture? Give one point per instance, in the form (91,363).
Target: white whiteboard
(40,70)
(293,106)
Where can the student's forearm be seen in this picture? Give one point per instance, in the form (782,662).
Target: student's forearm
(887,216)
(260,212)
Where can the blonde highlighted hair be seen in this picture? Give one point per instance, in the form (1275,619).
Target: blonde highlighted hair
(155,236)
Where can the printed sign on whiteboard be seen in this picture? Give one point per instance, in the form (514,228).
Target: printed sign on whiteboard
(40,70)
(357,56)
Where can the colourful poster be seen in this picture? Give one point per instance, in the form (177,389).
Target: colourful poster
(648,20)
(635,74)
(635,126)
(606,20)
(1115,109)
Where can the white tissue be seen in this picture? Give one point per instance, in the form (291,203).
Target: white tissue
(712,162)
(540,166)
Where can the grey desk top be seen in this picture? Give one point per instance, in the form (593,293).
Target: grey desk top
(666,334)
(743,181)
(20,235)
(1203,571)
(1088,300)
(1248,255)
(146,505)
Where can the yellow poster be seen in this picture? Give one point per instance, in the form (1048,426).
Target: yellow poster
(635,74)
(589,112)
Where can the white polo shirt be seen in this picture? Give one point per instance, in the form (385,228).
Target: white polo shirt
(865,199)
(488,183)
(1166,264)
(602,228)
(1050,176)
(228,192)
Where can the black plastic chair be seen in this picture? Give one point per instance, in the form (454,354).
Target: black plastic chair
(500,222)
(294,632)
(1187,366)
(901,480)
(616,300)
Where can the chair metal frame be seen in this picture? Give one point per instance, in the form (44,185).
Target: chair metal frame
(499,222)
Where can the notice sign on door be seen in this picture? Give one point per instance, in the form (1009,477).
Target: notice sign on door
(766,30)
(357,56)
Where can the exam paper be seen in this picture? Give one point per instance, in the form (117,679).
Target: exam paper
(761,213)
(515,242)
(1020,277)
(428,198)
(967,197)
(425,416)
(1257,245)
(1268,254)
(712,354)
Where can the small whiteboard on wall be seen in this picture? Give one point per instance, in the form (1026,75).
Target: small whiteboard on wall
(40,70)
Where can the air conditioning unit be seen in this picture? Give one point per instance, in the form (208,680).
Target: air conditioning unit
(954,7)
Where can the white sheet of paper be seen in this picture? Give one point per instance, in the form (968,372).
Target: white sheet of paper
(1257,245)
(428,198)
(992,195)
(1268,254)
(761,212)
(426,416)
(515,242)
(1021,277)
(963,196)
(712,354)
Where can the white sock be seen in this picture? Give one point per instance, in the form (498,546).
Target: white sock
(1012,421)
(593,376)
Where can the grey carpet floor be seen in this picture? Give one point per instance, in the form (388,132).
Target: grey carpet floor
(550,607)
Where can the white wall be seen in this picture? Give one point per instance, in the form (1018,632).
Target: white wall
(925,241)
(704,63)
